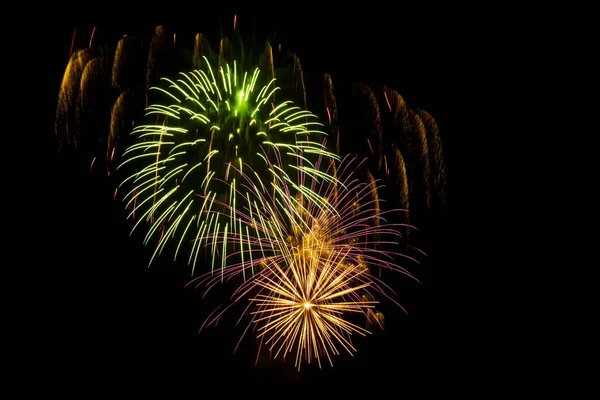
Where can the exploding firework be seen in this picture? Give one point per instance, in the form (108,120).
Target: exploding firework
(217,135)
(319,264)
(305,309)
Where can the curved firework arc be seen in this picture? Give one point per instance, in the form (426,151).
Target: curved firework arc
(66,122)
(128,104)
(129,64)
(436,159)
(94,80)
(398,183)
(343,250)
(94,112)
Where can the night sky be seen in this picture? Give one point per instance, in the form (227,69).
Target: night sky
(113,321)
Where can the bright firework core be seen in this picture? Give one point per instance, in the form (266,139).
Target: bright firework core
(303,305)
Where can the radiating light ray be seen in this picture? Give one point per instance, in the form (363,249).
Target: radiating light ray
(303,309)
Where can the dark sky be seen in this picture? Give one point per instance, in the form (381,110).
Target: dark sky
(114,321)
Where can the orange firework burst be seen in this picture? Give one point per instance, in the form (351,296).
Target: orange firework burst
(304,307)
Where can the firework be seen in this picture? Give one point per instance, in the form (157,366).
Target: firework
(436,156)
(66,123)
(306,305)
(408,132)
(128,67)
(326,256)
(159,56)
(121,124)
(216,140)
(94,107)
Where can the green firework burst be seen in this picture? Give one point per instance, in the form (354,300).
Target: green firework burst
(218,136)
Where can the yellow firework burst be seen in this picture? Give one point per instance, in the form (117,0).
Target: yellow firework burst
(304,306)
